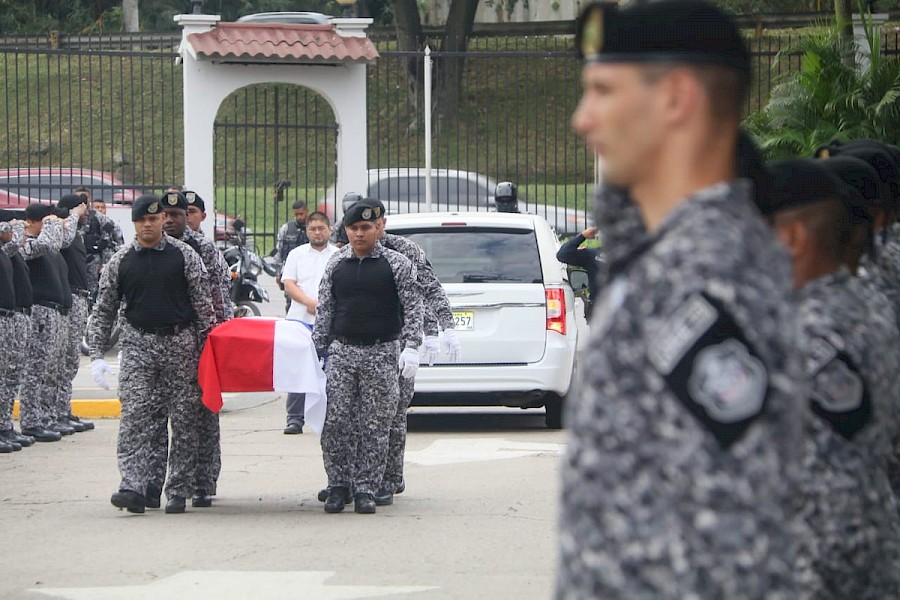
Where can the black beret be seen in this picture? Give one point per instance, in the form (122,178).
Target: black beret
(377,204)
(860,176)
(147,204)
(36,212)
(194,199)
(7,214)
(174,200)
(681,31)
(361,212)
(884,158)
(71,201)
(795,182)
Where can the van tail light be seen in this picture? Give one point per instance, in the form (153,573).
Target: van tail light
(556,310)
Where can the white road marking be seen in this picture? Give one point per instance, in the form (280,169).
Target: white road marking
(234,585)
(448,452)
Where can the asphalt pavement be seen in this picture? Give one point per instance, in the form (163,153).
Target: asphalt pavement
(478,518)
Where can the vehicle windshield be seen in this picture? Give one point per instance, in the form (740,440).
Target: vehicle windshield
(477,254)
(407,193)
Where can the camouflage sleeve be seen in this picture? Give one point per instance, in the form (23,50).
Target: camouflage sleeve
(18,237)
(106,306)
(198,289)
(224,283)
(49,240)
(11,247)
(410,293)
(321,334)
(438,314)
(217,273)
(69,230)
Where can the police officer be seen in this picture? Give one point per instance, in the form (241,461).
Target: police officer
(196,211)
(683,440)
(850,357)
(167,316)
(368,325)
(44,236)
(209,453)
(76,257)
(16,342)
(571,253)
(101,235)
(506,197)
(289,236)
(438,318)
(8,437)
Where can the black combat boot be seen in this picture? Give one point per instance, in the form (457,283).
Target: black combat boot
(338,496)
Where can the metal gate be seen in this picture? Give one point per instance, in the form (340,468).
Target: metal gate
(274,144)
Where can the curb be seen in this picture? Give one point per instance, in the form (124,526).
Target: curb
(93,409)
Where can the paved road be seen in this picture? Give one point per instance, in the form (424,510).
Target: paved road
(477,519)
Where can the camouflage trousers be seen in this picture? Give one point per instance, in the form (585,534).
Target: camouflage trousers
(362,400)
(70,355)
(157,386)
(93,274)
(9,372)
(37,394)
(209,454)
(393,470)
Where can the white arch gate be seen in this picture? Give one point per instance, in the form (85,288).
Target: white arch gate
(220,58)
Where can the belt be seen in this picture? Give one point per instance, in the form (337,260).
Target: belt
(57,307)
(162,329)
(363,341)
(6,312)
(82,293)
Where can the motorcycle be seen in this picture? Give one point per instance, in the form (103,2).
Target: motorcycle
(244,267)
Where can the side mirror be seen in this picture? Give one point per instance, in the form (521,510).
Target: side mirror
(580,283)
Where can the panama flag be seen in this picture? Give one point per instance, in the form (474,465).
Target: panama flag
(258,354)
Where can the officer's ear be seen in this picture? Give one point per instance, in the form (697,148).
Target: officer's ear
(681,93)
(794,235)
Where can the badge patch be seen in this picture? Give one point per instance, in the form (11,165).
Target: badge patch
(191,197)
(710,367)
(172,199)
(728,382)
(153,207)
(839,396)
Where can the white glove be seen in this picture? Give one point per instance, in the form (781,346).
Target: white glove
(99,368)
(451,345)
(432,348)
(409,363)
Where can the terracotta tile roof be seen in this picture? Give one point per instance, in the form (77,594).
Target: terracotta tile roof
(280,43)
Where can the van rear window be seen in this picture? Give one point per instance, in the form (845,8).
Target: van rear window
(479,254)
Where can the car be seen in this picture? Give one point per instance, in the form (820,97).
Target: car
(402,190)
(305,18)
(517,318)
(22,186)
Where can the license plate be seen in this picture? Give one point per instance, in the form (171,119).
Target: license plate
(463,320)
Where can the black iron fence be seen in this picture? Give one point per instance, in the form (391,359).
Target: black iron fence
(114,105)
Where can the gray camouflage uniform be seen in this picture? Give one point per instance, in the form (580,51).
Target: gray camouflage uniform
(209,451)
(438,316)
(684,426)
(158,377)
(362,381)
(851,355)
(114,242)
(13,336)
(72,329)
(38,391)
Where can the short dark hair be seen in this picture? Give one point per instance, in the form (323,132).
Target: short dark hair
(298,204)
(828,222)
(318,216)
(81,189)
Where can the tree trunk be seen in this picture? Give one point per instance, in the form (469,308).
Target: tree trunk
(450,69)
(843,16)
(410,39)
(130,16)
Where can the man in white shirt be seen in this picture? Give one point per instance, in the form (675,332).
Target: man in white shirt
(303,269)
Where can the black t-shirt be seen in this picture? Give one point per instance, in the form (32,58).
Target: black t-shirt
(154,287)
(22,282)
(44,272)
(367,306)
(76,261)
(7,285)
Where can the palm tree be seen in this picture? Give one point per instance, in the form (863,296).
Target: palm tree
(829,98)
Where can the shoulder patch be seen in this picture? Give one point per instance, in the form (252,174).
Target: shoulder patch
(839,396)
(710,367)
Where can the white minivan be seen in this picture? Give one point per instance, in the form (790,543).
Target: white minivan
(516,316)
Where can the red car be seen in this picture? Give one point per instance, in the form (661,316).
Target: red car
(22,186)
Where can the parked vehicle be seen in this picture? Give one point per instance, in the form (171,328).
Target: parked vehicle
(402,190)
(516,316)
(22,186)
(306,18)
(244,265)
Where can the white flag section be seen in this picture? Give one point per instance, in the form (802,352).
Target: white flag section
(295,368)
